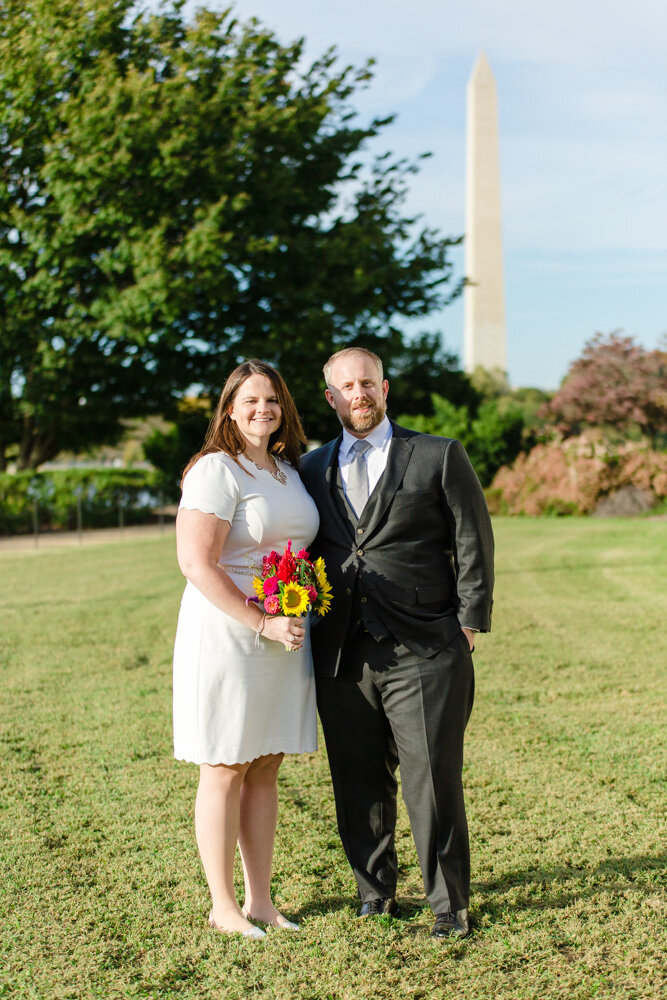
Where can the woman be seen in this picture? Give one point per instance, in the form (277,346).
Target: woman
(241,699)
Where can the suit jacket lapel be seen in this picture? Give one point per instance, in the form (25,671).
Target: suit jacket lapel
(327,496)
(400,450)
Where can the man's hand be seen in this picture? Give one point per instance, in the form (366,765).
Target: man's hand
(470,636)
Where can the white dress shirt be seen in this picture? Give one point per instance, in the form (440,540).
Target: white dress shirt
(376,457)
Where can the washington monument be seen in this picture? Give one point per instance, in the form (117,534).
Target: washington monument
(484,336)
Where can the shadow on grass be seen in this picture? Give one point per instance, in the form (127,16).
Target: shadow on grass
(326,904)
(555,887)
(409,922)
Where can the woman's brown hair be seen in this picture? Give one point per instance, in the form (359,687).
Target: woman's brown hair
(224,435)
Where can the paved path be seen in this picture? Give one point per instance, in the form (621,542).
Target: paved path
(97,536)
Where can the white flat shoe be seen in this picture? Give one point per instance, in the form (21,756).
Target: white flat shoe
(281,924)
(253,932)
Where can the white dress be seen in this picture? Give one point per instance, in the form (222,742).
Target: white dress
(235,699)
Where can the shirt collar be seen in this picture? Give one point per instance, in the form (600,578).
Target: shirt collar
(378,437)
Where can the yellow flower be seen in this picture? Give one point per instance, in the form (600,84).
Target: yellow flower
(325,602)
(294,600)
(322,582)
(323,587)
(259,588)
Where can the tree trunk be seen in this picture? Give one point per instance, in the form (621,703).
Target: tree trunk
(36,447)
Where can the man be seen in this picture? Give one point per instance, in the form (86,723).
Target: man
(407,541)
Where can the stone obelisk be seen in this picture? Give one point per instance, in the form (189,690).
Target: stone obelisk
(484,339)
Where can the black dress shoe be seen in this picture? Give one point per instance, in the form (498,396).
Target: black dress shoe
(376,907)
(451,925)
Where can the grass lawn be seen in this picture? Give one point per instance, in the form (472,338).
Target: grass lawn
(101,891)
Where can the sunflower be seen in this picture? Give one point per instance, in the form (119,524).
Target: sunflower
(325,597)
(294,600)
(324,602)
(259,587)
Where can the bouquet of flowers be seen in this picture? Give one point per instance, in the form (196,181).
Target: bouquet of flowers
(291,584)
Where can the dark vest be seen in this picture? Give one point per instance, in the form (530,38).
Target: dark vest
(363,614)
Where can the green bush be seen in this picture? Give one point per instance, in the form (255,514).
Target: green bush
(102,493)
(493,437)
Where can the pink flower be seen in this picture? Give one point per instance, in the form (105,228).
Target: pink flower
(303,554)
(270,585)
(312,594)
(272,604)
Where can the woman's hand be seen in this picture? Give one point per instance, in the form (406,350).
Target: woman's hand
(289,631)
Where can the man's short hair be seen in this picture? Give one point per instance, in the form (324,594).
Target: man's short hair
(344,353)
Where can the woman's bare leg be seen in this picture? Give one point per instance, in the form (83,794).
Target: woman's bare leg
(217,812)
(257,834)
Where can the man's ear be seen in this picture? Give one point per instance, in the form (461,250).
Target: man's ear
(385,388)
(329,398)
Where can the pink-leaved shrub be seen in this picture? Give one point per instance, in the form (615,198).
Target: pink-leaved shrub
(570,476)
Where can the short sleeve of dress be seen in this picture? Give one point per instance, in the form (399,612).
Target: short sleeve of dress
(211,487)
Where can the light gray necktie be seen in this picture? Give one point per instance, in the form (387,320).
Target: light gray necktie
(357,477)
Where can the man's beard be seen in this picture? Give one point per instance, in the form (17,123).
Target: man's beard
(362,423)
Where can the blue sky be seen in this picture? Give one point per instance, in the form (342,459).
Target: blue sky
(582,89)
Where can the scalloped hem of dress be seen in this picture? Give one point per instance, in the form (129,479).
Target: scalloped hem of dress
(249,760)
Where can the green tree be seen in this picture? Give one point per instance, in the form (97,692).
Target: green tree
(492,435)
(446,420)
(170,450)
(174,197)
(420,370)
(496,438)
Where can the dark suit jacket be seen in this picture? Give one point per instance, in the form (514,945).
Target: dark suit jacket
(421,554)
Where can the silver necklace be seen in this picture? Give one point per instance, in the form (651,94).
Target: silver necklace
(277,473)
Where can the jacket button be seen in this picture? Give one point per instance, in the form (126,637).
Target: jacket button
(364,600)
(348,592)
(360,552)
(360,531)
